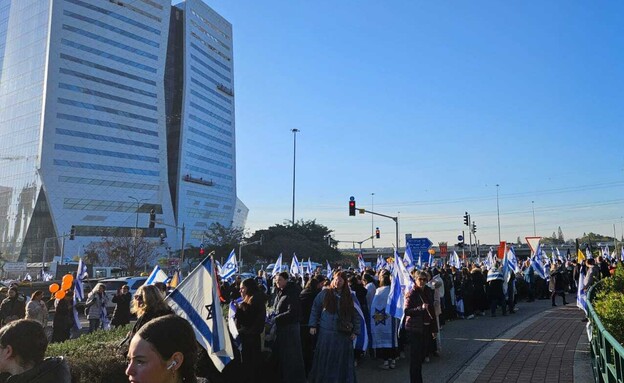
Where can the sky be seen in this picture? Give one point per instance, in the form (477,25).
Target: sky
(430,106)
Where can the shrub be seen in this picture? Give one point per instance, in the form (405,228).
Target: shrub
(609,304)
(94,358)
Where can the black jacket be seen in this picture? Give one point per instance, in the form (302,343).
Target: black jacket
(306,298)
(121,315)
(287,307)
(250,317)
(51,370)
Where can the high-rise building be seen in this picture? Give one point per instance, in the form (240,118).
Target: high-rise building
(108,110)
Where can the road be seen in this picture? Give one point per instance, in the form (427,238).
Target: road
(462,341)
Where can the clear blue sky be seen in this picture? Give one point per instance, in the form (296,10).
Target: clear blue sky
(429,105)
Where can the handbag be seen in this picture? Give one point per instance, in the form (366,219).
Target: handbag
(345,325)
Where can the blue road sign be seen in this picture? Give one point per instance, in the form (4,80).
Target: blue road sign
(460,238)
(419,247)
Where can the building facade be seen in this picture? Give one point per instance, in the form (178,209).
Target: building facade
(102,121)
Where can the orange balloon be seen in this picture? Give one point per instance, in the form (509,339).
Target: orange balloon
(54,288)
(59,294)
(65,285)
(68,278)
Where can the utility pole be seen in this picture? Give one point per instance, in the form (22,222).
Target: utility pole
(294,131)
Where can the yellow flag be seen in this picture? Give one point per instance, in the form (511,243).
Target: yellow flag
(581,256)
(175,280)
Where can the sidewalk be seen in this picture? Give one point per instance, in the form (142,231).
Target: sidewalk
(542,349)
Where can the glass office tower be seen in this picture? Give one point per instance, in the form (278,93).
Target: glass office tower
(87,130)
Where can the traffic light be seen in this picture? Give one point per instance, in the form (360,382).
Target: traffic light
(474,227)
(72,233)
(460,245)
(152,221)
(466,219)
(351,206)
(162,238)
(377,233)
(201,249)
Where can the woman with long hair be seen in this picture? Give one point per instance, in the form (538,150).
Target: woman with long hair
(147,303)
(163,351)
(250,317)
(334,319)
(418,315)
(383,325)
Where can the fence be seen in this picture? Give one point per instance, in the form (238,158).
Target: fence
(607,354)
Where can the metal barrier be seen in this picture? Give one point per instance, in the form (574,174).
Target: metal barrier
(607,354)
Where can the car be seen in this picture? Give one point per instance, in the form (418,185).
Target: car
(114,284)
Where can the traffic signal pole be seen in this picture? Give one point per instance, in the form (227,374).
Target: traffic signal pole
(395,219)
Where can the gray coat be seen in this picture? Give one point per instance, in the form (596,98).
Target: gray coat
(95,304)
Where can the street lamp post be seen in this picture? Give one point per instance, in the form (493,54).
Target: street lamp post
(533,208)
(136,223)
(294,131)
(498,213)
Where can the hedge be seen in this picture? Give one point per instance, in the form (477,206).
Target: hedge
(95,357)
(609,304)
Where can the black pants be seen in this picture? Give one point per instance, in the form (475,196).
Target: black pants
(416,340)
(251,357)
(307,344)
(554,294)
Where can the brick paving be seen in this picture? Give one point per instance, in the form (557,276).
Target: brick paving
(542,352)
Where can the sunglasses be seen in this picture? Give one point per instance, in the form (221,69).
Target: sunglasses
(422,279)
(138,298)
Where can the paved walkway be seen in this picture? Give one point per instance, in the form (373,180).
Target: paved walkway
(541,351)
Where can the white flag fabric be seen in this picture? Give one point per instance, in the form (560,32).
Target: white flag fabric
(401,283)
(329,270)
(81,273)
(157,275)
(581,294)
(277,267)
(295,268)
(361,264)
(196,300)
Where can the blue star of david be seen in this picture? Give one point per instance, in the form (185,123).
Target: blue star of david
(380,317)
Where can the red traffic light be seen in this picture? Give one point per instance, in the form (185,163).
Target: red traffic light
(352,207)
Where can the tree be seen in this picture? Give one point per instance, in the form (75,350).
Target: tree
(307,239)
(126,252)
(218,238)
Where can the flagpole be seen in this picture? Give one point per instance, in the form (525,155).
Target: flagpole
(498,213)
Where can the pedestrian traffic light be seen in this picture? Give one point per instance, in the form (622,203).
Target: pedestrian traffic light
(152,219)
(162,238)
(466,219)
(377,233)
(201,249)
(351,206)
(474,228)
(72,233)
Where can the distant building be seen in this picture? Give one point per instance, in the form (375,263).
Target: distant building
(109,109)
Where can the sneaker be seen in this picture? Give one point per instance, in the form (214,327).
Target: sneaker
(471,316)
(392,364)
(402,354)
(385,365)
(427,360)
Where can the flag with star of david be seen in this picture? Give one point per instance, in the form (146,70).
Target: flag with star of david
(196,299)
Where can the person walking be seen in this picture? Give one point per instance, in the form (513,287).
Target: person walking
(95,307)
(335,320)
(495,292)
(287,347)
(122,300)
(556,284)
(306,298)
(249,318)
(36,309)
(418,306)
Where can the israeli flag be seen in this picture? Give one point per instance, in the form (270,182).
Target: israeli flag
(232,322)
(588,254)
(581,294)
(605,252)
(295,268)
(559,256)
(277,267)
(196,299)
(489,260)
(157,275)
(361,264)
(361,342)
(538,263)
(329,270)
(79,295)
(401,283)
(310,266)
(511,260)
(408,259)
(454,261)
(230,267)
(622,254)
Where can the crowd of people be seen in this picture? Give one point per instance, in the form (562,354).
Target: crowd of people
(290,328)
